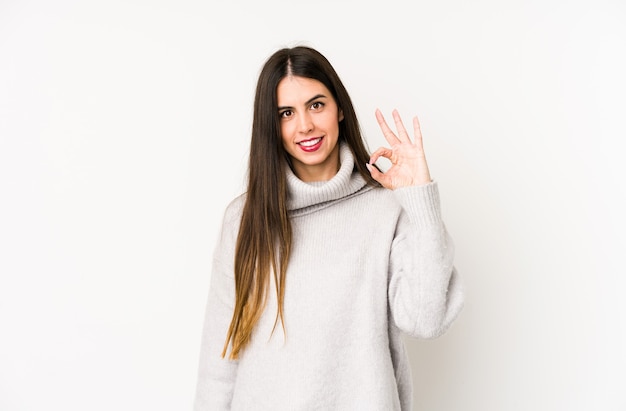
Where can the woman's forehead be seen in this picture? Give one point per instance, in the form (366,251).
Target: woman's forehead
(293,90)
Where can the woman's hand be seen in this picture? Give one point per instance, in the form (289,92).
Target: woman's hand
(408,161)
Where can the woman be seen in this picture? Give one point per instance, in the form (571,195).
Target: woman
(326,259)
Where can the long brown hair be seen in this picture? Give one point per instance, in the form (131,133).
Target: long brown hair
(265,236)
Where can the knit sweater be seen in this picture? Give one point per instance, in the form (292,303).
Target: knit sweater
(367,264)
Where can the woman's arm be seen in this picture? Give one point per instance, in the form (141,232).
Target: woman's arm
(216,375)
(425,291)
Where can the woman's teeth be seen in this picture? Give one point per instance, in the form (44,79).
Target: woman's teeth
(309,143)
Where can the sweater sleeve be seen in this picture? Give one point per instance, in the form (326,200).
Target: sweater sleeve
(216,375)
(425,291)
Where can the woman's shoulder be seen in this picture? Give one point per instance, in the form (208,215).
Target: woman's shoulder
(418,200)
(382,195)
(230,225)
(232,213)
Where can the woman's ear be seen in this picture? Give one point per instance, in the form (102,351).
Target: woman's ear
(340,115)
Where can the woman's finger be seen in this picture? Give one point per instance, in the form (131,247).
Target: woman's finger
(391,138)
(402,134)
(383,178)
(417,131)
(376,174)
(380,152)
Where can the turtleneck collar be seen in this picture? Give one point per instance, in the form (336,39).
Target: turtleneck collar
(304,197)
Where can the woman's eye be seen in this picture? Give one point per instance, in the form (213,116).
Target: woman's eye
(285,114)
(317,105)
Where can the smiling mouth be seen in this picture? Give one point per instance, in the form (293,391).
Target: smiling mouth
(310,143)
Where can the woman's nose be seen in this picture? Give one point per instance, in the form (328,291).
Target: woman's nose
(306,123)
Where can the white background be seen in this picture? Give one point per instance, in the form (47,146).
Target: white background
(124,129)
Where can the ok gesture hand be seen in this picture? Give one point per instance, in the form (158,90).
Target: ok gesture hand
(408,162)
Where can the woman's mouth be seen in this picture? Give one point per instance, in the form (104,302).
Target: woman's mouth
(310,145)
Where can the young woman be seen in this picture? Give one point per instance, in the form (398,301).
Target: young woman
(325,260)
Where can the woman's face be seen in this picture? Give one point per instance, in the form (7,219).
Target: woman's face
(309,127)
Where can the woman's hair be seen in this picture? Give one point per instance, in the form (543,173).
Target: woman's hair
(264,239)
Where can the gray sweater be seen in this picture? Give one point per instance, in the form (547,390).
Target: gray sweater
(367,264)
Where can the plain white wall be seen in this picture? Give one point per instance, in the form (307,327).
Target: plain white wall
(124,130)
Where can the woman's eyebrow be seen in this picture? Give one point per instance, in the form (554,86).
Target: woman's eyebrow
(309,101)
